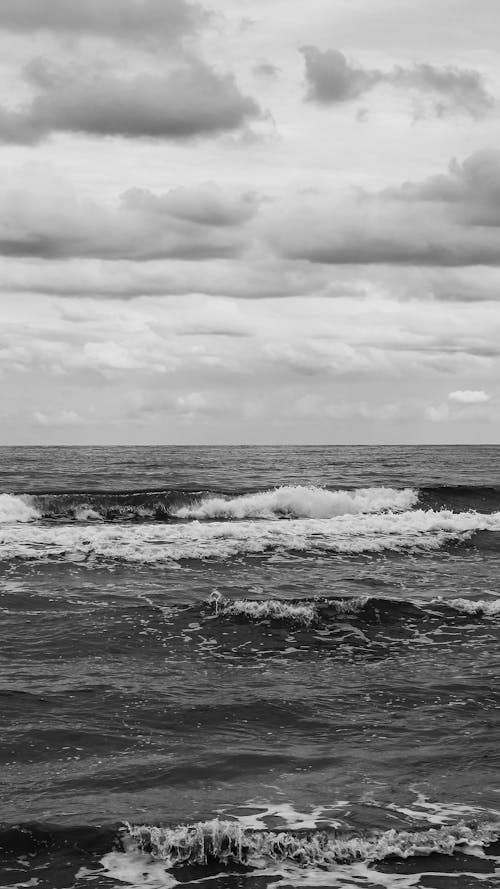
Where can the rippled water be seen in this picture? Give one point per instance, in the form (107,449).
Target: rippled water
(250,667)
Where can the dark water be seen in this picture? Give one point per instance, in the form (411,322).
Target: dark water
(231,667)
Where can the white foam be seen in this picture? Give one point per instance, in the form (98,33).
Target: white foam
(299,501)
(254,609)
(17,509)
(416,530)
(485,607)
(87,514)
(285,813)
(134,869)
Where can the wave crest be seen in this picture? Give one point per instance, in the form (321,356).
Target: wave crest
(480,607)
(274,609)
(304,613)
(17,509)
(228,841)
(299,501)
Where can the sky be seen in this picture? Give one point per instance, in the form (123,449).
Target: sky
(251,221)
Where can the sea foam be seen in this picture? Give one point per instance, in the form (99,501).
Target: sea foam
(416,530)
(298,501)
(481,607)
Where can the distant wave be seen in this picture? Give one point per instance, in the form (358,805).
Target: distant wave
(416,530)
(228,841)
(298,501)
(285,502)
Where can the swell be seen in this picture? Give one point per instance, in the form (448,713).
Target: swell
(287,501)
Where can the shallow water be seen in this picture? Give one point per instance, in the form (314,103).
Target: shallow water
(287,659)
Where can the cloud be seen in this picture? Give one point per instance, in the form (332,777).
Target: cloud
(41,216)
(191,101)
(469,396)
(471,189)
(437,413)
(58,418)
(266,70)
(130,20)
(449,220)
(206,205)
(332,79)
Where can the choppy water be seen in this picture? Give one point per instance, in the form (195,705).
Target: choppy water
(250,667)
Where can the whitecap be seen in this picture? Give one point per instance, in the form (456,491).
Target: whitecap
(17,509)
(228,841)
(416,530)
(299,501)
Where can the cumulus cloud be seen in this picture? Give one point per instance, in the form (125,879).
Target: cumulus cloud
(446,220)
(206,205)
(131,20)
(471,189)
(191,101)
(469,396)
(332,78)
(41,216)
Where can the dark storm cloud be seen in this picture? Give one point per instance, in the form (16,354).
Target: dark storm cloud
(188,102)
(123,19)
(332,78)
(446,220)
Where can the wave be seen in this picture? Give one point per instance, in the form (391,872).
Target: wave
(17,509)
(479,607)
(147,506)
(416,531)
(322,610)
(298,501)
(285,502)
(229,842)
(291,611)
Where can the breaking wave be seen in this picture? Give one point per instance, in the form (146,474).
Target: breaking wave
(277,609)
(17,509)
(416,530)
(304,613)
(228,842)
(298,501)
(479,607)
(322,610)
(285,502)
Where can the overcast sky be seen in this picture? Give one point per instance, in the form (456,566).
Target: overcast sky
(256,221)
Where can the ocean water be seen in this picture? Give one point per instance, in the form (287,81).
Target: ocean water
(250,667)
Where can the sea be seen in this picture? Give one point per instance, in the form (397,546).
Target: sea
(250,667)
